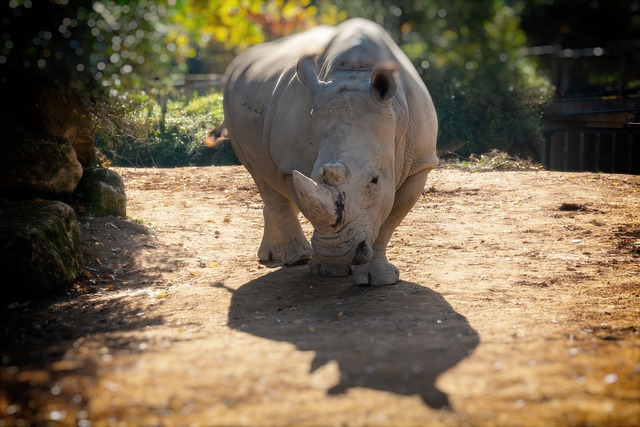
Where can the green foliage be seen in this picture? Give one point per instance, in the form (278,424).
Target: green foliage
(220,29)
(103,47)
(123,118)
(166,137)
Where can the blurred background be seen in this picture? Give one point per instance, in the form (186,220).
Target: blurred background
(556,81)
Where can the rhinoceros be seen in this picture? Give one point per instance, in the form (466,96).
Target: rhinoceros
(336,123)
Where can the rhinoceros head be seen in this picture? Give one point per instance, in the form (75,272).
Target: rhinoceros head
(351,189)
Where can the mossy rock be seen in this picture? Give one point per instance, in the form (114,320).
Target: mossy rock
(36,164)
(40,250)
(101,191)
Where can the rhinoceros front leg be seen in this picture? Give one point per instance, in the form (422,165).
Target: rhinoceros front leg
(283,240)
(379,271)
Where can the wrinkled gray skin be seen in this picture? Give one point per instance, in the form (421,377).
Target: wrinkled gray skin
(337,123)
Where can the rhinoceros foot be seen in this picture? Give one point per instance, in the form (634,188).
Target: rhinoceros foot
(289,254)
(376,272)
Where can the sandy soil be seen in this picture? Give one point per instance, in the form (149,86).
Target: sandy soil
(519,304)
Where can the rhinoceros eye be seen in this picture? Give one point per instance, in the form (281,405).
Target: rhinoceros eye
(371,180)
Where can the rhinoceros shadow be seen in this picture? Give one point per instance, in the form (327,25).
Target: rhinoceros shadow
(394,338)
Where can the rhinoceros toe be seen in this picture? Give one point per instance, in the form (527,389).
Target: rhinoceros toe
(376,273)
(296,253)
(297,259)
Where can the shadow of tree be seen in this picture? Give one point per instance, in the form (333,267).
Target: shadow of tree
(50,348)
(395,338)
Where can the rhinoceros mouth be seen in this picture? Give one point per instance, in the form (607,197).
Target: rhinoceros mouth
(355,248)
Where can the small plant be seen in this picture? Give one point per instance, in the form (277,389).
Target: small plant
(494,160)
(137,220)
(102,161)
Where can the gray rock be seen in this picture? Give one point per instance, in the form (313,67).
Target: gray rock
(102,193)
(41,248)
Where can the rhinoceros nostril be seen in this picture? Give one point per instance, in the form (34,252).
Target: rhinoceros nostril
(363,253)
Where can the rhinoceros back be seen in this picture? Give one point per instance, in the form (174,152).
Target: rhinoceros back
(267,108)
(255,83)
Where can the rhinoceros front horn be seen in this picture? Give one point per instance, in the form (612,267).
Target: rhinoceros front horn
(316,201)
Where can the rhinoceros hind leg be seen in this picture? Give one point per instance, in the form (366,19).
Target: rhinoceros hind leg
(329,270)
(283,240)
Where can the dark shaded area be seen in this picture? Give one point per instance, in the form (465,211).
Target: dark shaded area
(36,343)
(223,155)
(590,51)
(41,249)
(588,48)
(394,338)
(571,207)
(47,345)
(629,239)
(41,53)
(580,23)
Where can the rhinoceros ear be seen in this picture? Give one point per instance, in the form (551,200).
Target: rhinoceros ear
(383,81)
(307,72)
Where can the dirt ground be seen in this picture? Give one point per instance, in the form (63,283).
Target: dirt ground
(519,304)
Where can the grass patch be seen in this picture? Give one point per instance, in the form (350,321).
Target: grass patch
(169,135)
(492,161)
